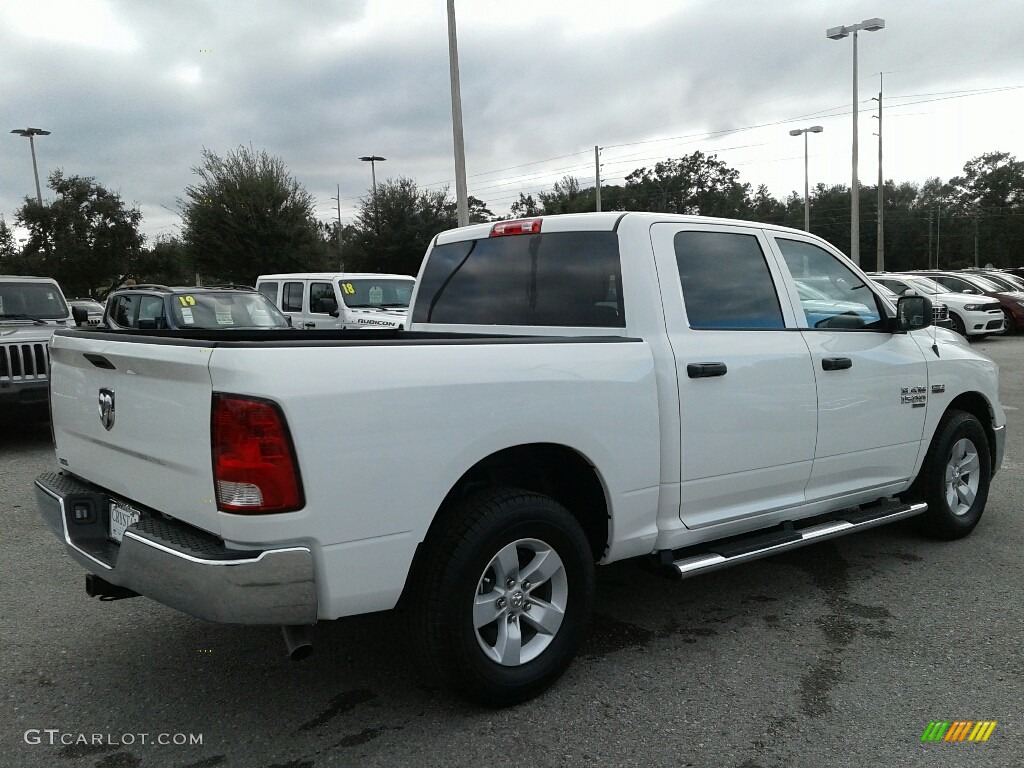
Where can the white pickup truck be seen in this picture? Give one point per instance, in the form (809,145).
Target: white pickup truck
(572,391)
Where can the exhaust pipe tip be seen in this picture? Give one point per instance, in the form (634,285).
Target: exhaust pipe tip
(298,640)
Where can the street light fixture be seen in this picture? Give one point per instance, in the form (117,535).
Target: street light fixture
(838,33)
(807,190)
(32,133)
(373,160)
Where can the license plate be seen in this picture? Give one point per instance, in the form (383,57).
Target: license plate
(121,516)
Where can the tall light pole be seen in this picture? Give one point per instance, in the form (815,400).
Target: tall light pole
(838,33)
(880,253)
(461,193)
(372,160)
(32,133)
(807,185)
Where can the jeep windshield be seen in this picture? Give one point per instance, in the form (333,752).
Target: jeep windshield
(376,294)
(31,301)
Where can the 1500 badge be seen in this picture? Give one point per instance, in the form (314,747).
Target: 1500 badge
(916,397)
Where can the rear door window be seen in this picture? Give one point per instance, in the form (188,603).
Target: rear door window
(318,292)
(151,312)
(125,311)
(569,279)
(291,297)
(726,282)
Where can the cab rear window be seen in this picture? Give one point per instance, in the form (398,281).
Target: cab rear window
(568,279)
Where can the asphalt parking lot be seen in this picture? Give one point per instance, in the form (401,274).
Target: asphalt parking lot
(838,654)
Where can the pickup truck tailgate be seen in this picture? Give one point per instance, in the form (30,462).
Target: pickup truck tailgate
(152,447)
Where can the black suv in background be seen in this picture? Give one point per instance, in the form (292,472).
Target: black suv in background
(208,307)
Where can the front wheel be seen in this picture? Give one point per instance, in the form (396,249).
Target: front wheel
(958,324)
(501,601)
(954,478)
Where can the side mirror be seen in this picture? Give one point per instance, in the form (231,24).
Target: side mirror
(913,313)
(81,315)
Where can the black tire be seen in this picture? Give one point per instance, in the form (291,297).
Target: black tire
(955,499)
(958,324)
(458,577)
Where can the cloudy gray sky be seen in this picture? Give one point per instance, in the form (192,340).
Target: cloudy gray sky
(132,90)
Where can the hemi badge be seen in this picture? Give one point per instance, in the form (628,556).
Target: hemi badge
(938,389)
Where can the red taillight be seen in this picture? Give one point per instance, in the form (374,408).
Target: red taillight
(254,466)
(516,227)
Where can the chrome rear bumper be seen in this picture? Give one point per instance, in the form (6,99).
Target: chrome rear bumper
(178,565)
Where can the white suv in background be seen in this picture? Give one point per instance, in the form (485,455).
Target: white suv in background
(971,315)
(325,300)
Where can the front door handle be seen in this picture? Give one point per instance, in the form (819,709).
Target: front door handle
(836,363)
(309,325)
(705,370)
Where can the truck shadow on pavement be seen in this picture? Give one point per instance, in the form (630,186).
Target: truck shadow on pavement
(25,427)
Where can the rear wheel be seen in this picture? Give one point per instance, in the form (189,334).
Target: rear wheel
(500,604)
(954,479)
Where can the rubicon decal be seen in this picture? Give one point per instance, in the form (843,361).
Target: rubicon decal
(959,730)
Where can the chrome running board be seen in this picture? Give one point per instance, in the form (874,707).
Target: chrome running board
(717,555)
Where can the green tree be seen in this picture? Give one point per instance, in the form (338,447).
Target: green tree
(763,206)
(695,184)
(84,238)
(567,197)
(247,216)
(166,262)
(479,213)
(394,227)
(987,203)
(525,207)
(9,253)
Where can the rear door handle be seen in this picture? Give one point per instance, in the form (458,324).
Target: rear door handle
(836,363)
(309,325)
(705,370)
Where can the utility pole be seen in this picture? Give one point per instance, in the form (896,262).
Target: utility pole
(880,258)
(975,240)
(597,176)
(929,239)
(461,193)
(341,263)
